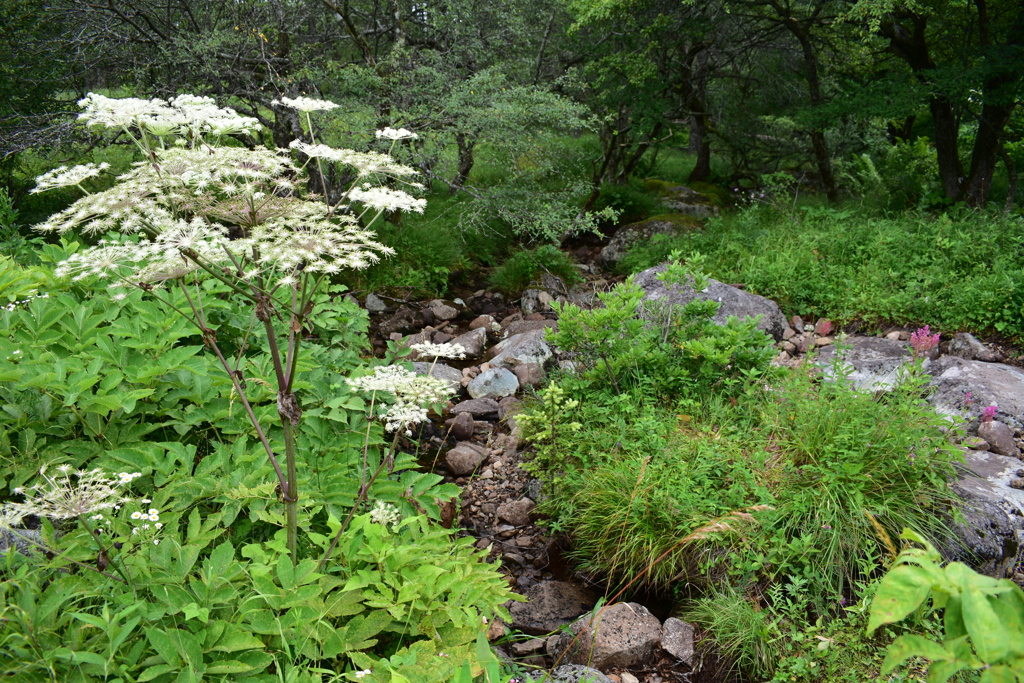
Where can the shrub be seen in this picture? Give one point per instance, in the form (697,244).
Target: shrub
(632,202)
(529,265)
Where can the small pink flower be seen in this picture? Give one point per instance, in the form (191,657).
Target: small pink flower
(967,397)
(989,413)
(923,340)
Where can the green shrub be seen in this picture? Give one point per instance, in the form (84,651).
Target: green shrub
(633,202)
(529,265)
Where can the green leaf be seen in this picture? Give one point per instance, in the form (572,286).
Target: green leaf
(155,671)
(908,646)
(235,639)
(988,636)
(164,646)
(228,666)
(900,592)
(998,674)
(194,611)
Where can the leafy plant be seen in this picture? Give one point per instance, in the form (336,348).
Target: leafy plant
(529,265)
(983,618)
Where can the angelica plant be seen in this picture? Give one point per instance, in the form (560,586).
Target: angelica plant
(200,206)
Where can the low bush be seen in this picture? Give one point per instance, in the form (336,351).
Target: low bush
(529,265)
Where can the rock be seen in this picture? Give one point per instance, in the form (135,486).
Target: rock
(987,383)
(479,408)
(999,438)
(22,541)
(529,374)
(989,536)
(462,427)
(621,635)
(797,323)
(975,443)
(826,341)
(894,336)
(516,512)
(507,407)
(544,301)
(440,371)
(874,364)
(442,311)
(1017,483)
(485,322)
(574,673)
(628,236)
(493,383)
(788,333)
(374,304)
(677,640)
(473,342)
(549,606)
(627,677)
(464,458)
(496,629)
(693,210)
(528,302)
(520,326)
(528,647)
(969,347)
(734,302)
(527,347)
(404,320)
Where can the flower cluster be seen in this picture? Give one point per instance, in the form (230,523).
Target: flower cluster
(989,413)
(187,115)
(431,350)
(305,104)
(410,392)
(923,341)
(70,494)
(62,176)
(385,514)
(392,134)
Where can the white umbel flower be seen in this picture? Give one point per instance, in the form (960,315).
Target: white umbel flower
(305,104)
(400,134)
(410,392)
(431,350)
(62,176)
(386,199)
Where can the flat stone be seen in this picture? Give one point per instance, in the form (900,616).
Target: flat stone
(620,635)
(734,302)
(516,512)
(895,335)
(528,647)
(574,673)
(967,346)
(484,321)
(677,640)
(549,606)
(788,333)
(975,443)
(440,371)
(404,320)
(827,341)
(374,304)
(520,326)
(527,347)
(473,342)
(442,310)
(529,374)
(999,438)
(479,408)
(987,383)
(493,383)
(873,364)
(464,458)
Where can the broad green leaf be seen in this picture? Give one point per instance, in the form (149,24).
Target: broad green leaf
(908,646)
(235,639)
(900,592)
(164,646)
(156,671)
(998,674)
(988,636)
(228,666)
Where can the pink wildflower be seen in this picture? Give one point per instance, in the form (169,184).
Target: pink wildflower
(923,340)
(989,413)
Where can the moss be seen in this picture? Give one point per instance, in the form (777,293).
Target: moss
(659,187)
(716,194)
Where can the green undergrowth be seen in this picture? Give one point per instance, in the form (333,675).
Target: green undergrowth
(960,270)
(767,499)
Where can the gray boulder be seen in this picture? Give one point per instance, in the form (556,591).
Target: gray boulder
(628,236)
(24,541)
(473,342)
(734,302)
(440,371)
(999,438)
(967,346)
(442,310)
(991,534)
(374,304)
(479,408)
(465,458)
(549,606)
(987,383)
(677,640)
(493,383)
(873,363)
(527,347)
(621,635)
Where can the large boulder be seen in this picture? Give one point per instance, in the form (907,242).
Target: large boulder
(628,236)
(441,371)
(677,640)
(473,341)
(621,635)
(872,363)
(493,383)
(549,606)
(734,302)
(991,533)
(527,347)
(963,388)
(465,458)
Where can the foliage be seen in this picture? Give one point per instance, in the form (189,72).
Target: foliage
(529,265)
(983,618)
(955,271)
(632,202)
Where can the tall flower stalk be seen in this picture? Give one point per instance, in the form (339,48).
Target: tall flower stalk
(202,206)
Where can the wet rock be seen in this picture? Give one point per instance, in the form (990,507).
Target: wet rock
(734,302)
(479,408)
(529,374)
(473,342)
(404,320)
(874,364)
(989,536)
(527,347)
(999,438)
(442,310)
(493,383)
(440,371)
(967,346)
(621,635)
(677,640)
(464,458)
(516,512)
(987,383)
(462,427)
(374,304)
(549,606)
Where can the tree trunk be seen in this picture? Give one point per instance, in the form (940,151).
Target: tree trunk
(947,133)
(700,144)
(465,165)
(987,144)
